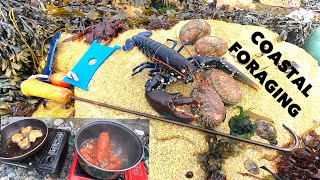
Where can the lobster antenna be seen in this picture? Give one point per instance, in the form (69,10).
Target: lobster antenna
(190,53)
(170,67)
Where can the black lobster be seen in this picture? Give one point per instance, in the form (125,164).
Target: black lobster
(169,66)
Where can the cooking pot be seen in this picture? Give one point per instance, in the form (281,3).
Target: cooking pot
(10,150)
(125,139)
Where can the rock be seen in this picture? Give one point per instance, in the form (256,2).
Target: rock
(225,85)
(282,3)
(58,122)
(31,173)
(71,124)
(11,175)
(9,170)
(63,174)
(139,132)
(2,167)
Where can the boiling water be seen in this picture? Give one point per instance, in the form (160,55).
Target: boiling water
(115,149)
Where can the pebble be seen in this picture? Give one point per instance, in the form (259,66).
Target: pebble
(31,173)
(139,132)
(71,124)
(189,174)
(63,174)
(2,167)
(58,122)
(11,175)
(9,170)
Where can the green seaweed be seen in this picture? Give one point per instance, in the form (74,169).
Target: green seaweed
(241,125)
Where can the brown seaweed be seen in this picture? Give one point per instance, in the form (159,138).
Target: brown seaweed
(219,150)
(304,163)
(103,32)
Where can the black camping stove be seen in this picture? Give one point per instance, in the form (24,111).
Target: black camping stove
(49,159)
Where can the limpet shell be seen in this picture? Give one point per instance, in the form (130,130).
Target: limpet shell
(194,30)
(251,166)
(211,46)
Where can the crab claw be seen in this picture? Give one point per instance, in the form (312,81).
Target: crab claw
(168,105)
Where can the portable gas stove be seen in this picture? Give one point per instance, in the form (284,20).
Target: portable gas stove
(49,159)
(136,173)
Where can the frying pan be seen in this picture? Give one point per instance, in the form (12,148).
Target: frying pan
(10,150)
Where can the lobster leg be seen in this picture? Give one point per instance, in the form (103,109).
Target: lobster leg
(174,43)
(158,82)
(143,66)
(183,45)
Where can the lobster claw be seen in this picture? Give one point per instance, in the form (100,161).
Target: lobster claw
(207,62)
(168,105)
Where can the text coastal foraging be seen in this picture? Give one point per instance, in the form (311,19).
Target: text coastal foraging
(271,85)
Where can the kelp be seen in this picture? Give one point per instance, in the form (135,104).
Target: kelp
(23,30)
(12,101)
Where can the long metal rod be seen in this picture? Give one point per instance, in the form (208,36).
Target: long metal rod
(295,137)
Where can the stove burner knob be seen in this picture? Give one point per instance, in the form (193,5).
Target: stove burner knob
(50,159)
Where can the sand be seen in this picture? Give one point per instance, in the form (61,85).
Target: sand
(174,149)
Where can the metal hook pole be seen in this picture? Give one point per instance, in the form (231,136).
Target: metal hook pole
(295,137)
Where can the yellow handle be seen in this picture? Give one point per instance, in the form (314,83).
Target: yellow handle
(33,87)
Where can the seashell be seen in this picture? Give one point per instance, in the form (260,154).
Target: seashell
(251,166)
(194,30)
(225,86)
(212,111)
(211,46)
(265,130)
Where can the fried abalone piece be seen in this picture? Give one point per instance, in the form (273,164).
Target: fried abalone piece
(34,134)
(17,137)
(25,131)
(24,144)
